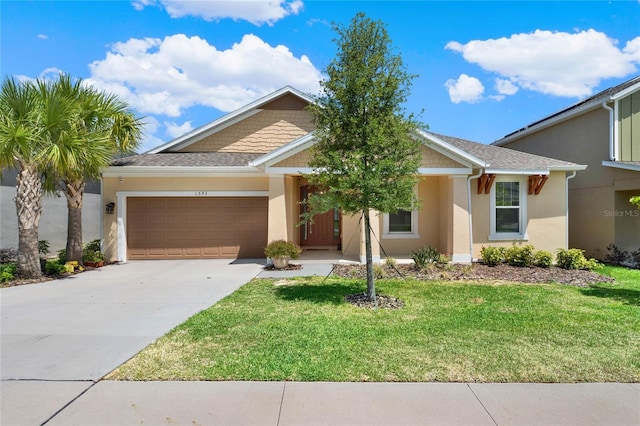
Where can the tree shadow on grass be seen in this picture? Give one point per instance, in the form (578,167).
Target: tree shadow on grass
(333,293)
(626,296)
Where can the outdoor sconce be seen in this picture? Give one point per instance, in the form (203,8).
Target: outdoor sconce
(108,209)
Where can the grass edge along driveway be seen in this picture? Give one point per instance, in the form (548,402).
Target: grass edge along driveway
(303,330)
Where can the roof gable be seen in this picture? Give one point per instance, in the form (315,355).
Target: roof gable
(285,99)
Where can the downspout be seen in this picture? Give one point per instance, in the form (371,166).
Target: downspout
(566,208)
(612,149)
(471,214)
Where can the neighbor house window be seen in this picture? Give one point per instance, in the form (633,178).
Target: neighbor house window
(401,224)
(508,210)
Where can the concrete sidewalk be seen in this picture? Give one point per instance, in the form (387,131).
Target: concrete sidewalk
(301,403)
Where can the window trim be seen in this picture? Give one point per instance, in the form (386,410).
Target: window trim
(386,234)
(509,236)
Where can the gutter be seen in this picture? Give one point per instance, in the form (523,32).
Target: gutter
(612,148)
(471,214)
(566,208)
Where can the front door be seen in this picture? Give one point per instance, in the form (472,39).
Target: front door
(325,229)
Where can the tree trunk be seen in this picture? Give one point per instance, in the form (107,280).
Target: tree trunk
(29,208)
(74,192)
(371,286)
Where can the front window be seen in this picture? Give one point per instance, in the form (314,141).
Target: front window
(508,209)
(401,224)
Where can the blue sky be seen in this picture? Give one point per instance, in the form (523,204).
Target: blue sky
(484,69)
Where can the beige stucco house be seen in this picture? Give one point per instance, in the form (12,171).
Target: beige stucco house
(228,188)
(602,132)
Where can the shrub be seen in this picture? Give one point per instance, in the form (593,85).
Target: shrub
(492,256)
(43,247)
(7,272)
(443,259)
(379,272)
(543,259)
(425,256)
(8,255)
(519,256)
(635,258)
(282,248)
(615,255)
(390,262)
(574,259)
(62,256)
(54,268)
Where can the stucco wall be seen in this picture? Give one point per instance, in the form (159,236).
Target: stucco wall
(188,185)
(53,221)
(592,193)
(546,221)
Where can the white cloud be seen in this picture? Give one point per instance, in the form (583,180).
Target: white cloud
(555,63)
(166,76)
(174,129)
(505,87)
(464,89)
(43,36)
(257,12)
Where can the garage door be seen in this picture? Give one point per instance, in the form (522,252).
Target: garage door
(187,227)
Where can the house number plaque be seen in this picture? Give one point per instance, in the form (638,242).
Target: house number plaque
(201,193)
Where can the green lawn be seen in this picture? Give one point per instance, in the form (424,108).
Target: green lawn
(449,332)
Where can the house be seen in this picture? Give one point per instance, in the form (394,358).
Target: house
(602,132)
(53,221)
(228,188)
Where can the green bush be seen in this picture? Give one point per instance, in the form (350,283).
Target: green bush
(62,256)
(390,262)
(54,268)
(282,248)
(7,272)
(492,256)
(543,259)
(425,256)
(520,256)
(574,259)
(43,247)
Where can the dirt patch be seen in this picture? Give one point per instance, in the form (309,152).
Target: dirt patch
(480,272)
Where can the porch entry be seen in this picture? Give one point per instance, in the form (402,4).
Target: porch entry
(326,227)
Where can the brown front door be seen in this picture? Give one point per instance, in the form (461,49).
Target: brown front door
(326,227)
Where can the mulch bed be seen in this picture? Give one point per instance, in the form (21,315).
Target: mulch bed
(481,272)
(289,267)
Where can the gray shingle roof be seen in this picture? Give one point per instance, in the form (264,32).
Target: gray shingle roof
(188,159)
(504,158)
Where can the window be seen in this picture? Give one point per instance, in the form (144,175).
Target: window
(508,210)
(401,224)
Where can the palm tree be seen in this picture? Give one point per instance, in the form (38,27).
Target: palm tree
(102,127)
(28,124)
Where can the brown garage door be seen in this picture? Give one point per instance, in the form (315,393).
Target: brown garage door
(188,227)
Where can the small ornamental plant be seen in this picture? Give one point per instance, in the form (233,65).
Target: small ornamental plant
(282,248)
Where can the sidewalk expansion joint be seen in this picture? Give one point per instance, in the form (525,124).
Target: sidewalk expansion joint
(93,383)
(483,407)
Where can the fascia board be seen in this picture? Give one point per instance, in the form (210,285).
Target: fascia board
(178,171)
(516,171)
(617,165)
(279,154)
(450,151)
(629,90)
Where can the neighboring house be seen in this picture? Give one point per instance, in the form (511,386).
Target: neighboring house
(602,132)
(53,221)
(228,188)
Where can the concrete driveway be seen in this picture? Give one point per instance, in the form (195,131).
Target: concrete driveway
(82,327)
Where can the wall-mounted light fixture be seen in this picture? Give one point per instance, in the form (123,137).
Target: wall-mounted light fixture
(109,208)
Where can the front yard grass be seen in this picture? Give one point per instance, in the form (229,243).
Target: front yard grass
(446,332)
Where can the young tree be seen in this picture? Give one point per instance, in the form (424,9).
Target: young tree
(365,157)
